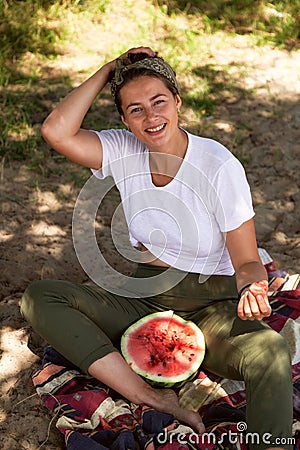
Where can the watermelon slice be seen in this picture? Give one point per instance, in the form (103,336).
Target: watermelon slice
(164,349)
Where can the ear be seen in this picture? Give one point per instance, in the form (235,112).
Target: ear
(178,102)
(124,121)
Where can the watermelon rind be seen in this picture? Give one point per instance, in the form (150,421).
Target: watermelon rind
(161,381)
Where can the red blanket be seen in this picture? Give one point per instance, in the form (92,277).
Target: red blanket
(93,417)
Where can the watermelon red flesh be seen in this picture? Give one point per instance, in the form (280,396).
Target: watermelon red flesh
(164,346)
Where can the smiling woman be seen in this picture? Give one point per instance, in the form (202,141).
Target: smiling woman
(188,206)
(153,115)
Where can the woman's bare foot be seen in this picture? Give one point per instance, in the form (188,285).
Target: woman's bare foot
(167,401)
(138,391)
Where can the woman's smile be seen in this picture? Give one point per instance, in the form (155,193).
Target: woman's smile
(156,129)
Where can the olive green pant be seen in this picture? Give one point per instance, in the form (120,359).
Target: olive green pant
(84,323)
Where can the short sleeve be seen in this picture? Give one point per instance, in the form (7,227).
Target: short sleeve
(115,145)
(233,202)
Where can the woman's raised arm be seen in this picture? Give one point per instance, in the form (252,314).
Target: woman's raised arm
(62,128)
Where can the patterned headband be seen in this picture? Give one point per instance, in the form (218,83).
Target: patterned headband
(157,65)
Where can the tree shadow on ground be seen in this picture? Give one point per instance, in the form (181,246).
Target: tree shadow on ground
(38,193)
(25,420)
(278,23)
(260,129)
(38,198)
(220,87)
(24,28)
(214,9)
(26,101)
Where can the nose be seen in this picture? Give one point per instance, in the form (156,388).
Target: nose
(150,112)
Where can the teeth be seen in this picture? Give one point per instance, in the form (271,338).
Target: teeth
(160,127)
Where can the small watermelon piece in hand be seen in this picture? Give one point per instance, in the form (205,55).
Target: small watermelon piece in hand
(164,349)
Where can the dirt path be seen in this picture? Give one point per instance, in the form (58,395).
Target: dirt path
(259,120)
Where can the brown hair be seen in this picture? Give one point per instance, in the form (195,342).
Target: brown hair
(136,72)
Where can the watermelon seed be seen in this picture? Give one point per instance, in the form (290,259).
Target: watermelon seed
(159,374)
(164,363)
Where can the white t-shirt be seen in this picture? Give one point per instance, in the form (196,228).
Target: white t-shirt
(182,223)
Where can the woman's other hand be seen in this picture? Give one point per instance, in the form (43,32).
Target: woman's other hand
(254,303)
(251,275)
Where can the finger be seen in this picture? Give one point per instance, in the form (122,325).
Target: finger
(244,311)
(254,302)
(260,291)
(254,306)
(240,309)
(247,306)
(264,305)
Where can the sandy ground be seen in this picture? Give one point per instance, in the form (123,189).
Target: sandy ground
(260,123)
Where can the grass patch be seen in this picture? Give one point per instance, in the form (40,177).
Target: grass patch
(25,106)
(275,22)
(37,35)
(38,27)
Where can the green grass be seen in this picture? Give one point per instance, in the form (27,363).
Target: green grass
(37,34)
(38,27)
(275,22)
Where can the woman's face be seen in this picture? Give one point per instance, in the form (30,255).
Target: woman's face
(150,111)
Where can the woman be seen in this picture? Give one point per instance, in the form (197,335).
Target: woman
(85,323)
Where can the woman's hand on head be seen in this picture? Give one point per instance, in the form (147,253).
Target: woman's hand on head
(254,303)
(112,64)
(147,50)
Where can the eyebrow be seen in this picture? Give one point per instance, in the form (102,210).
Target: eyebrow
(151,99)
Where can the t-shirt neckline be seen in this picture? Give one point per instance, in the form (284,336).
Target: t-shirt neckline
(184,159)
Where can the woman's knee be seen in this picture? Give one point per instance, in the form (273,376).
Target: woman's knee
(31,295)
(269,355)
(36,297)
(275,346)
(35,288)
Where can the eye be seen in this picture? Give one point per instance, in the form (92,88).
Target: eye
(157,102)
(135,110)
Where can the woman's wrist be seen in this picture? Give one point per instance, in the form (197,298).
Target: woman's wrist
(243,289)
(109,68)
(258,287)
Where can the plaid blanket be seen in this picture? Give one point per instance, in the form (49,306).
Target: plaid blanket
(93,417)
